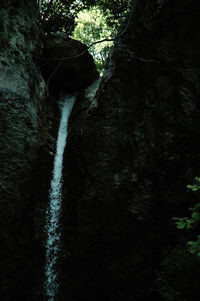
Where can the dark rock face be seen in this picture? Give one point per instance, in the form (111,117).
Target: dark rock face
(67,65)
(132,149)
(21,92)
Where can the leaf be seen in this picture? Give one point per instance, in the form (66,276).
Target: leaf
(195,208)
(195,217)
(180,224)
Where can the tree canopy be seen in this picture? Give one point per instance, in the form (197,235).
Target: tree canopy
(87,21)
(91,27)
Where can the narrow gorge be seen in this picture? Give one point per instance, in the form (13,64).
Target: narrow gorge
(92,220)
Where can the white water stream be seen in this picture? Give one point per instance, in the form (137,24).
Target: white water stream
(54,211)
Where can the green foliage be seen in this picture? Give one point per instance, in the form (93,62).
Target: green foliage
(87,21)
(92,27)
(118,8)
(58,15)
(192,221)
(195,246)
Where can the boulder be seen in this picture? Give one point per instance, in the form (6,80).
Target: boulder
(67,64)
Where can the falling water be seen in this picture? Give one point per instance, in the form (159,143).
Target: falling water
(54,210)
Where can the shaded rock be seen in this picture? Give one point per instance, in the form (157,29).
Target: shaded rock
(22,90)
(67,65)
(132,149)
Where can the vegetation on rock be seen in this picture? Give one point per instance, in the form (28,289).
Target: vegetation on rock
(191,222)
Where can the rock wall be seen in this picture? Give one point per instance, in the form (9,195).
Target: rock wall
(21,93)
(133,147)
(29,119)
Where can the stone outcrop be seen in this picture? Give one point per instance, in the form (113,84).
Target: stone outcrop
(22,90)
(67,64)
(133,147)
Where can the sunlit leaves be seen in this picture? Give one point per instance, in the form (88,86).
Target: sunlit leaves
(92,27)
(92,20)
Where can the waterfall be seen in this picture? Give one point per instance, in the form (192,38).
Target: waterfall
(55,199)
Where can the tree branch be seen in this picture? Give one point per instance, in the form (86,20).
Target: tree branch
(100,41)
